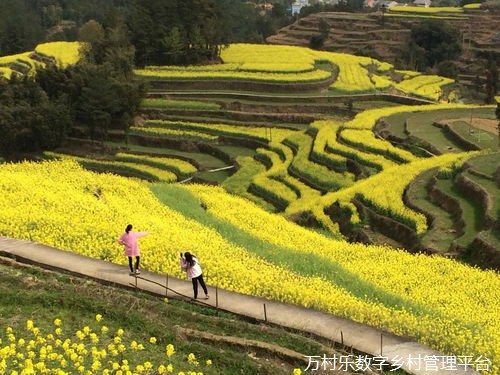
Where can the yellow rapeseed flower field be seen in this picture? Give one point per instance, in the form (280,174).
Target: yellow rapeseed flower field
(429,10)
(65,53)
(450,306)
(449,287)
(288,64)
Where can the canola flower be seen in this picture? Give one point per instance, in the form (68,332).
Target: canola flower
(443,284)
(90,351)
(373,190)
(178,166)
(472,6)
(318,174)
(65,53)
(241,53)
(239,182)
(267,63)
(172,133)
(6,72)
(67,192)
(135,167)
(276,67)
(368,119)
(275,184)
(292,64)
(176,104)
(257,132)
(326,140)
(425,16)
(407,73)
(365,139)
(428,10)
(427,86)
(353,74)
(267,184)
(54,203)
(381,82)
(20,63)
(307,76)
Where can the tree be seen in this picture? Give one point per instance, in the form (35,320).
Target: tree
(98,103)
(29,121)
(430,43)
(174,46)
(20,27)
(91,32)
(179,31)
(497,113)
(447,68)
(317,41)
(100,90)
(491,80)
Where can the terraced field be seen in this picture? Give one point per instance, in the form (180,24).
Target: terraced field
(319,158)
(377,168)
(60,53)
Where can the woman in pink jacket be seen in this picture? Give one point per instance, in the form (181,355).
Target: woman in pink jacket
(189,263)
(129,239)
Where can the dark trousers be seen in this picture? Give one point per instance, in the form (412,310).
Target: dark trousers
(195,281)
(137,259)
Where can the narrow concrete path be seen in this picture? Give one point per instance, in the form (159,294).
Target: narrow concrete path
(360,337)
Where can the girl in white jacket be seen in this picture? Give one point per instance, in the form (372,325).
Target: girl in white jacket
(189,263)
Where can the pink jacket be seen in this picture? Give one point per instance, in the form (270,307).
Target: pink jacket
(191,272)
(130,241)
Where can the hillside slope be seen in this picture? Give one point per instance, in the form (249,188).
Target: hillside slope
(365,34)
(433,300)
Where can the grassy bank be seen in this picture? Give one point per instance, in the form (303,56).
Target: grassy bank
(77,302)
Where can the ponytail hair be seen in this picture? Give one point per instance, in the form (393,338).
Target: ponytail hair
(128,228)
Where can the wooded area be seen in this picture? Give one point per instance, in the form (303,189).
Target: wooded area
(98,93)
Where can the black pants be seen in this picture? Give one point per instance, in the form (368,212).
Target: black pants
(137,259)
(195,281)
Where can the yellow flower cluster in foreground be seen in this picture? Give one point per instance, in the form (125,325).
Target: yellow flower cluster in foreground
(91,350)
(55,203)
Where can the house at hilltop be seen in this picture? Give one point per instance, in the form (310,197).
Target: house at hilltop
(379,4)
(422,3)
(298,5)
